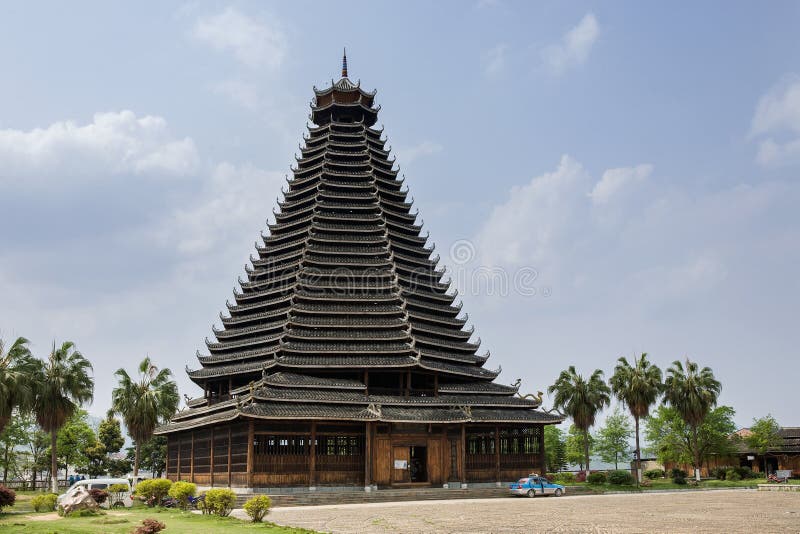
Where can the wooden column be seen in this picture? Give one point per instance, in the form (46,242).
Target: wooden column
(312,461)
(211,457)
(191,460)
(166,460)
(229,455)
(178,471)
(463,453)
(250,437)
(368,454)
(497,451)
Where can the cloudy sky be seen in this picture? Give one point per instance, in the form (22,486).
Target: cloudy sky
(601,179)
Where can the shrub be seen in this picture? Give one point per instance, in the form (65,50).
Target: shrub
(219,501)
(44,502)
(99,496)
(258,507)
(732,475)
(620,478)
(681,481)
(595,479)
(580,476)
(745,472)
(150,526)
(718,473)
(83,512)
(181,491)
(653,474)
(564,478)
(677,473)
(7,497)
(153,490)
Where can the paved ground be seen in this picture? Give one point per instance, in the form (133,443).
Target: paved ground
(697,512)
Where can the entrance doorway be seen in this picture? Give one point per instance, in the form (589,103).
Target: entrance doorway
(418,465)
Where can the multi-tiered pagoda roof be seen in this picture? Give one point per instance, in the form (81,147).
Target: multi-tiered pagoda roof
(343,314)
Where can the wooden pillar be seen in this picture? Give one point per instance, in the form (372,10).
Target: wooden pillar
(542,456)
(463,453)
(191,460)
(229,454)
(312,461)
(368,454)
(211,458)
(178,471)
(497,451)
(230,386)
(250,437)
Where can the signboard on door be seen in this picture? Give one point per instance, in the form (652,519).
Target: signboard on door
(401,464)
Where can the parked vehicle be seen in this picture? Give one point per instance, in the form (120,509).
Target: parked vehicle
(104,484)
(536,485)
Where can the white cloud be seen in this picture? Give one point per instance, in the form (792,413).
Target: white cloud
(113,143)
(615,180)
(493,60)
(242,93)
(407,155)
(255,43)
(234,197)
(574,47)
(777,121)
(536,215)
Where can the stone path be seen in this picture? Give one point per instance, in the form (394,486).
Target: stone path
(697,512)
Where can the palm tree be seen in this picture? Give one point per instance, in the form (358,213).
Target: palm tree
(692,392)
(63,383)
(638,387)
(581,399)
(16,368)
(145,404)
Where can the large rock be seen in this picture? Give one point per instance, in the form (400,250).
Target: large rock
(78,498)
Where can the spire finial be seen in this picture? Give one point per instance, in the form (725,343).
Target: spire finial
(344,64)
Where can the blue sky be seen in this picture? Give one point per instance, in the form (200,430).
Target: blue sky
(634,165)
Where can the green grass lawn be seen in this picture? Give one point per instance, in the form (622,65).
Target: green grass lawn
(21,518)
(662,484)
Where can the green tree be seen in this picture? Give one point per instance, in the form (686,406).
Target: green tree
(62,384)
(38,452)
(109,433)
(581,400)
(693,392)
(118,467)
(145,404)
(73,440)
(613,438)
(574,446)
(95,460)
(12,439)
(765,435)
(153,455)
(673,440)
(17,366)
(638,386)
(555,448)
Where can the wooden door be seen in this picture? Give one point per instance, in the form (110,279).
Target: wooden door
(400,458)
(435,461)
(382,472)
(452,460)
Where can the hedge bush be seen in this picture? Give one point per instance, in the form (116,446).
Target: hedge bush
(653,474)
(7,497)
(681,481)
(219,501)
(45,502)
(677,473)
(153,490)
(181,491)
(732,475)
(258,507)
(620,478)
(596,479)
(563,477)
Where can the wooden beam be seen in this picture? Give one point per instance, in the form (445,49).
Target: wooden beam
(368,454)
(463,453)
(229,454)
(312,461)
(497,451)
(211,457)
(250,438)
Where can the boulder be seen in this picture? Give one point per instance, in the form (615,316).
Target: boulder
(78,498)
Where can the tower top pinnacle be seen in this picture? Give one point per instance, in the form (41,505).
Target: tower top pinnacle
(344,64)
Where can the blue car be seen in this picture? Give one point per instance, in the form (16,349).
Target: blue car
(536,485)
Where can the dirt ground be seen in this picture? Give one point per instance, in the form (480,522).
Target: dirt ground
(696,512)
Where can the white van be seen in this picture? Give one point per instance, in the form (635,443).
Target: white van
(126,498)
